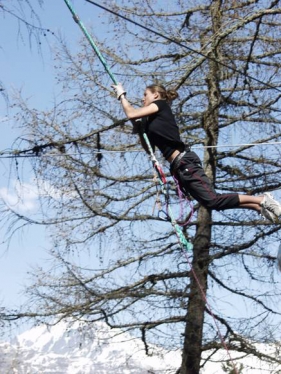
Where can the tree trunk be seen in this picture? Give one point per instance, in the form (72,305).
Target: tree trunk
(198,286)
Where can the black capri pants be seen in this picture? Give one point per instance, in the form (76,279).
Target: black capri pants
(187,169)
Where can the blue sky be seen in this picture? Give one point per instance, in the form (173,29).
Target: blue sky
(25,67)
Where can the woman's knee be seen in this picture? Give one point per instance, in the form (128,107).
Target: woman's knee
(221,202)
(211,204)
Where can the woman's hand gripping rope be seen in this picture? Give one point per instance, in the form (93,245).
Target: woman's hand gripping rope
(119,90)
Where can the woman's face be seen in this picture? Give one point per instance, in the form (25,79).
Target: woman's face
(149,97)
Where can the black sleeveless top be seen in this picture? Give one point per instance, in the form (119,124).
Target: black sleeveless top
(162,130)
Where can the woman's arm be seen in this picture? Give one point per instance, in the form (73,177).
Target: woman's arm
(130,111)
(133,113)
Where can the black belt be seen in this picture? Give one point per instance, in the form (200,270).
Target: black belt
(176,161)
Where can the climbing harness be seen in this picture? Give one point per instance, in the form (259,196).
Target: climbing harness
(165,189)
(164,186)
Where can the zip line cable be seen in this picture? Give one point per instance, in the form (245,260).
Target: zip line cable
(181,239)
(36,150)
(181,44)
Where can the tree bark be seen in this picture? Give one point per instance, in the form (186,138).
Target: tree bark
(198,287)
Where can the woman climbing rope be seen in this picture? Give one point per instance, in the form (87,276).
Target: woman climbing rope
(158,122)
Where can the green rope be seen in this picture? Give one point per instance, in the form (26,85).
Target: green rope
(90,39)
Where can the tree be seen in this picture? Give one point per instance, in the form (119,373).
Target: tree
(25,14)
(29,28)
(97,191)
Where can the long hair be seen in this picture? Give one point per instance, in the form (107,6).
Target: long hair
(168,95)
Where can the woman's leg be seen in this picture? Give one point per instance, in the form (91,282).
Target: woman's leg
(266,205)
(193,180)
(250,202)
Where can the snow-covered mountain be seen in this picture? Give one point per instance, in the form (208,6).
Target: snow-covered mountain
(96,349)
(80,349)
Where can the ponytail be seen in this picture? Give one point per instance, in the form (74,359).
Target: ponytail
(168,95)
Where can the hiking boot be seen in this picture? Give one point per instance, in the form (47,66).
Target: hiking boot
(271,205)
(268,215)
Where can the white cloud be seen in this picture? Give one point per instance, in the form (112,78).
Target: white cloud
(22,197)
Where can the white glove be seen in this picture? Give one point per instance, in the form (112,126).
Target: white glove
(119,90)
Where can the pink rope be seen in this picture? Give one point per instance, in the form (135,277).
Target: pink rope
(180,194)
